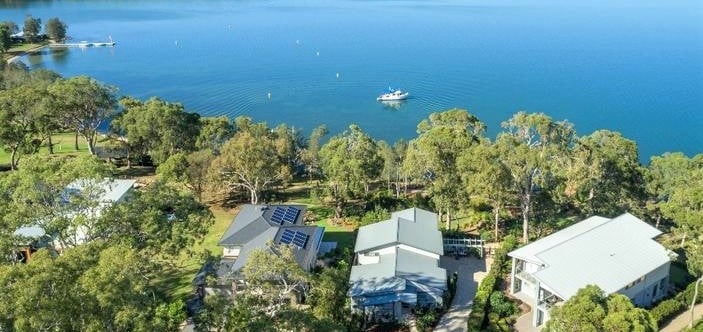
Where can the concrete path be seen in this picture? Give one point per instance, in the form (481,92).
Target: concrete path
(681,321)
(470,272)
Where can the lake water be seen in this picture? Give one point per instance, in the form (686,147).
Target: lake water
(630,66)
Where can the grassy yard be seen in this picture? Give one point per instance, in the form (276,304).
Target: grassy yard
(19,50)
(63,145)
(177,281)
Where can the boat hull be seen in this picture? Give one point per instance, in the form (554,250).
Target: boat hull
(393,97)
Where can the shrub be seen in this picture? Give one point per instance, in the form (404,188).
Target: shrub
(665,310)
(481,307)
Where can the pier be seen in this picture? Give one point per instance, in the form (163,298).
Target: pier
(85,44)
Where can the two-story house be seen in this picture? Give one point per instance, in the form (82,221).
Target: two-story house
(618,255)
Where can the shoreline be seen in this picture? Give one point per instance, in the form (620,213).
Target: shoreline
(23,53)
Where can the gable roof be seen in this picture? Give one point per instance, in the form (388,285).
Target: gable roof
(253,229)
(413,227)
(252,220)
(610,253)
(394,271)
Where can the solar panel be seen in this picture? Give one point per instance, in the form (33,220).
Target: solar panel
(300,239)
(291,214)
(287,236)
(278,215)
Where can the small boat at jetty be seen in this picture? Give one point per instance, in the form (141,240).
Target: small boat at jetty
(393,94)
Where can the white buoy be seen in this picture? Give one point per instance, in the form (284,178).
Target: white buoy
(175,42)
(317,53)
(337,75)
(297,41)
(269,95)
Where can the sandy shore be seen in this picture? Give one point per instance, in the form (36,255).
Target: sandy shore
(14,58)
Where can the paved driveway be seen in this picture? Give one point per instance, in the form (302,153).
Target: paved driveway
(470,272)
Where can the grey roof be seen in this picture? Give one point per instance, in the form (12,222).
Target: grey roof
(413,227)
(609,253)
(394,271)
(253,229)
(252,220)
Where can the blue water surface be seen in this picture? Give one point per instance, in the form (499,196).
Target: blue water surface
(630,66)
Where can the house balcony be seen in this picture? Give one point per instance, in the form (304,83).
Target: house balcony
(548,302)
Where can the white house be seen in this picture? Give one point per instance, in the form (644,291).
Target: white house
(618,255)
(86,198)
(396,265)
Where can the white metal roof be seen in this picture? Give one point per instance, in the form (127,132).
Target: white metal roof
(609,253)
(413,227)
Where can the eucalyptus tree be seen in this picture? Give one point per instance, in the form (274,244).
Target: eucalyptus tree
(530,146)
(432,156)
(663,175)
(311,153)
(5,39)
(250,160)
(214,132)
(160,221)
(604,175)
(85,104)
(350,162)
(487,179)
(19,112)
(156,128)
(56,29)
(31,28)
(190,170)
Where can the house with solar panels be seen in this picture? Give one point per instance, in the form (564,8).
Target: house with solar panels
(619,255)
(255,226)
(396,266)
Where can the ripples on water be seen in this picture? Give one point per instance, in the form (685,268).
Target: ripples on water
(629,66)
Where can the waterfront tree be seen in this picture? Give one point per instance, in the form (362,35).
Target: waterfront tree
(432,156)
(311,153)
(349,161)
(486,179)
(249,160)
(156,128)
(530,146)
(31,28)
(603,175)
(214,132)
(5,39)
(85,105)
(55,29)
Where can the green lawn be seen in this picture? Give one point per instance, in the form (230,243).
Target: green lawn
(177,281)
(63,145)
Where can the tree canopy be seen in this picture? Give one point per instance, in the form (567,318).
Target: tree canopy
(591,310)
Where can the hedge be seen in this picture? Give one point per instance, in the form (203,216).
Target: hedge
(667,309)
(480,308)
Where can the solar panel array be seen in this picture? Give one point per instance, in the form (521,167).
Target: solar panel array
(282,214)
(287,236)
(299,239)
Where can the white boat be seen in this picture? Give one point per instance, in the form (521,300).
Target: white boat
(393,94)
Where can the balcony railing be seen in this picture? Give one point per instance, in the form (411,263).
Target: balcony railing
(548,301)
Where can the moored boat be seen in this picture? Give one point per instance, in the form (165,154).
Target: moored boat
(393,94)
